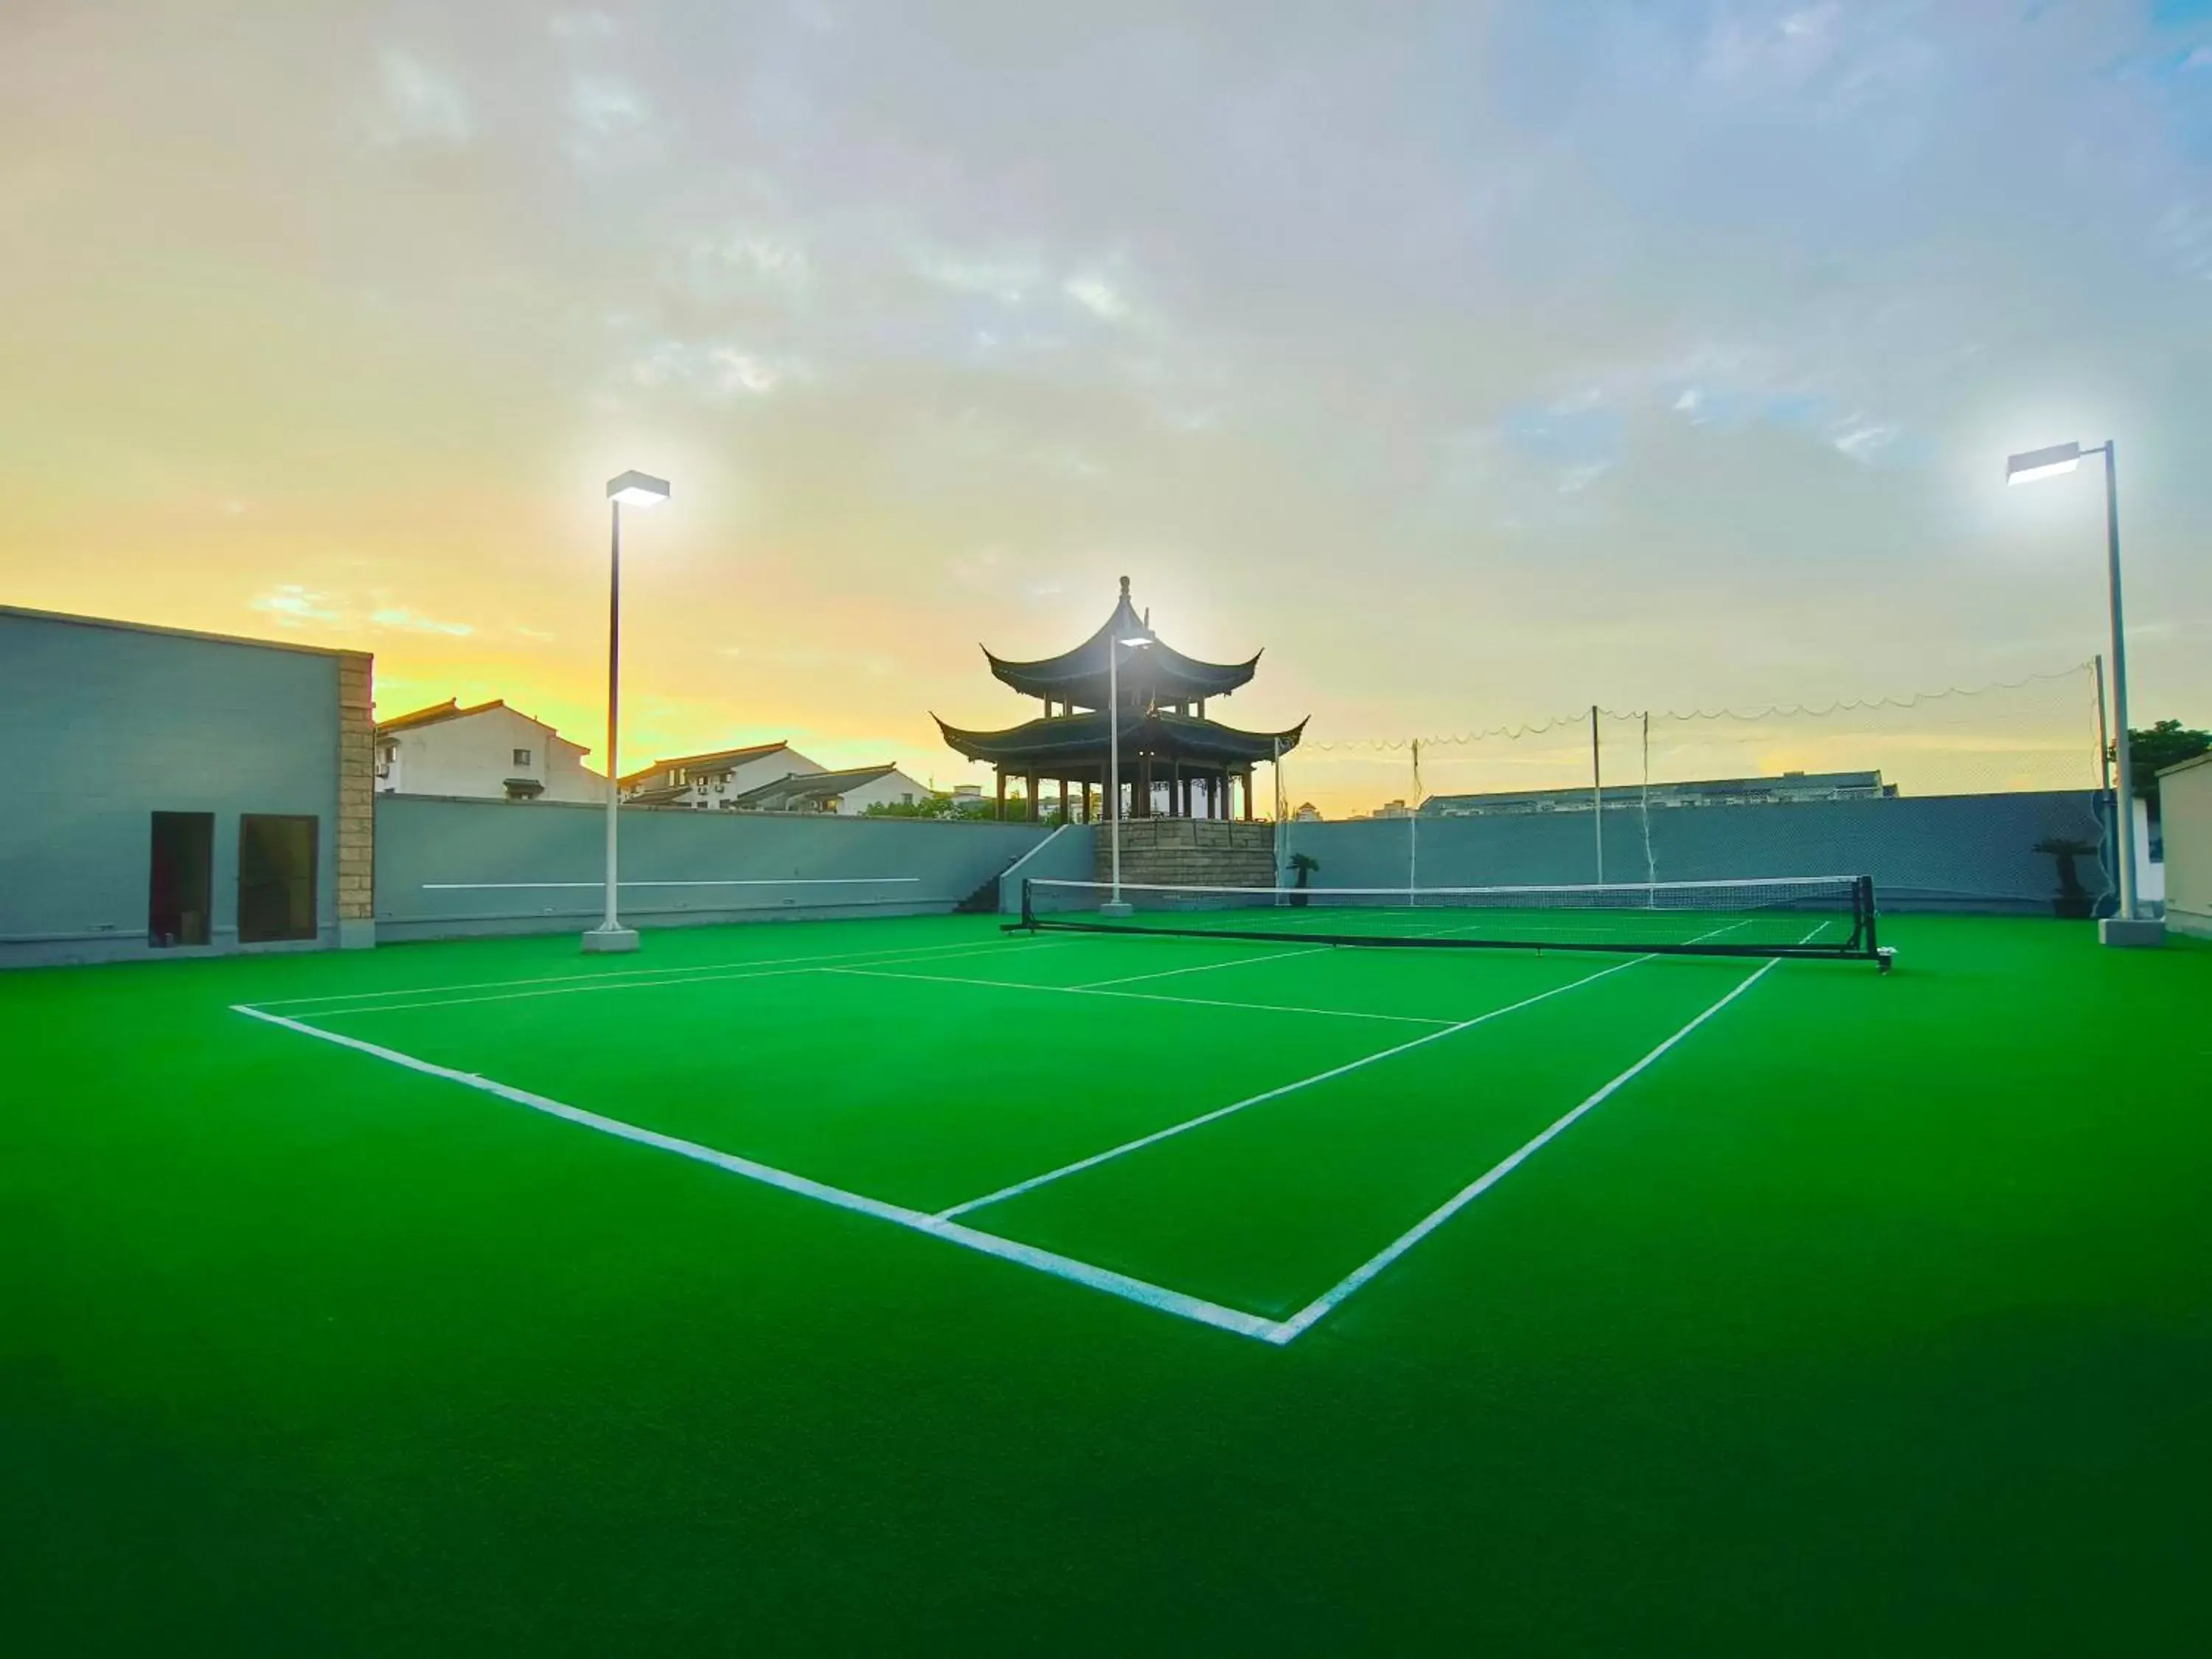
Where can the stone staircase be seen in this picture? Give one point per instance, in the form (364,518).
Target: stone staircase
(1191,853)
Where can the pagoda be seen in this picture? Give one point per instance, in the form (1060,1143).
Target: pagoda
(1176,762)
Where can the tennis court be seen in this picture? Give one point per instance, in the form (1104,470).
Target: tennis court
(883,1275)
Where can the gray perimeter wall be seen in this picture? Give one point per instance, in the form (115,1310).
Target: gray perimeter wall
(1941,852)
(1068,853)
(449,868)
(100,727)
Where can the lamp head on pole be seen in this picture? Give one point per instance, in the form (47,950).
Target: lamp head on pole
(2042,463)
(635,488)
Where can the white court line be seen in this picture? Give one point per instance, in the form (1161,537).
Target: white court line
(883,952)
(1158,1135)
(600,886)
(1060,1266)
(1137,996)
(806,966)
(1318,1307)
(1205,967)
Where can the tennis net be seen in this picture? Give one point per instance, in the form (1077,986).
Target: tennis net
(1831,917)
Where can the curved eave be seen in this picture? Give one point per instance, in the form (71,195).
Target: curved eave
(1079,676)
(1162,671)
(1081,740)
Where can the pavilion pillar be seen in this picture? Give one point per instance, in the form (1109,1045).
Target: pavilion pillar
(1032,782)
(1063,801)
(1248,794)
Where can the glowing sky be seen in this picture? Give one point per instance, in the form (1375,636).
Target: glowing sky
(1480,361)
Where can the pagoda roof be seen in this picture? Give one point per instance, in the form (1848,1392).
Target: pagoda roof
(1159,674)
(1076,743)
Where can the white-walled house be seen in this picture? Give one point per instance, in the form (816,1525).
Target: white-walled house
(848,792)
(715,780)
(487,750)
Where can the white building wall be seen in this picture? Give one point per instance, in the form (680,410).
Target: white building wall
(473,755)
(712,792)
(2186,810)
(893,787)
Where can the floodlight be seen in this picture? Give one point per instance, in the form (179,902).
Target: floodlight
(635,488)
(2128,926)
(2043,463)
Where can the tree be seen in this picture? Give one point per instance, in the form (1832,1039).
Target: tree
(2166,744)
(929,806)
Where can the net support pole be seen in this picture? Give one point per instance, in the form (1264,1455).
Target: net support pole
(2104,728)
(613,922)
(1114,756)
(1597,797)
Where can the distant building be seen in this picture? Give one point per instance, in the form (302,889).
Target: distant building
(1307,813)
(848,792)
(715,779)
(1392,809)
(1790,786)
(487,751)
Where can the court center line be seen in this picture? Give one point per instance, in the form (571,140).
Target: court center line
(1137,996)
(644,984)
(885,952)
(1320,1307)
(1173,1129)
(1059,1266)
(1205,967)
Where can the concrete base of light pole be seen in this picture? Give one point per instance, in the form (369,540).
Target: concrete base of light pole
(610,941)
(1117,910)
(2126,935)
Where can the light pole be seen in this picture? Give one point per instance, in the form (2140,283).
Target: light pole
(642,490)
(2126,927)
(1114,907)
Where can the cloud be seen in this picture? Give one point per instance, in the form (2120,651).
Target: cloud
(292,605)
(1008,278)
(1865,441)
(297,605)
(583,26)
(610,120)
(720,369)
(419,105)
(1099,297)
(402,620)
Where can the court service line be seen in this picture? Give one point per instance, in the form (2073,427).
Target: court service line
(1321,1306)
(600,886)
(1059,1266)
(693,978)
(1136,996)
(885,952)
(1207,967)
(1219,1112)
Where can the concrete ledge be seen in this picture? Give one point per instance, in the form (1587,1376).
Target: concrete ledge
(356,935)
(2188,922)
(610,941)
(2130,935)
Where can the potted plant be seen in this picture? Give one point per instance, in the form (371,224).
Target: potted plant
(1303,865)
(2074,901)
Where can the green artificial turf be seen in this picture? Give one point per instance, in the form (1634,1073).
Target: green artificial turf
(1875,1317)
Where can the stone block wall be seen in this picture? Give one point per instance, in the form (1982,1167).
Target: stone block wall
(1190,852)
(356,822)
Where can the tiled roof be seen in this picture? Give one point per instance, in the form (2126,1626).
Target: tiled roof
(720,760)
(451,710)
(815,786)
